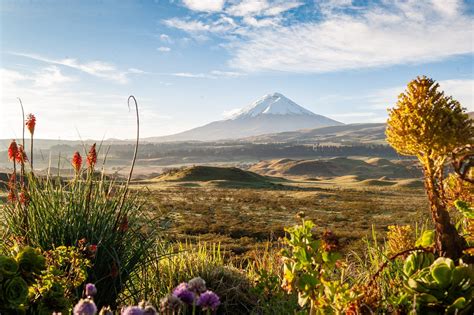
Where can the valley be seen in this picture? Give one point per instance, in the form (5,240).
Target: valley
(243,210)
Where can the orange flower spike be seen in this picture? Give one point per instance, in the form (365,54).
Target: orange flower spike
(21,155)
(23,198)
(13,151)
(31,123)
(92,157)
(11,196)
(76,161)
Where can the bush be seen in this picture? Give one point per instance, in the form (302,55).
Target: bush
(91,212)
(185,261)
(41,282)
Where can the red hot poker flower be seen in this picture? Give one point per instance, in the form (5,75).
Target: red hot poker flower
(76,161)
(12,151)
(11,196)
(23,198)
(31,123)
(21,155)
(92,157)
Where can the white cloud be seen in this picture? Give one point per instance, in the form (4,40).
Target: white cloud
(64,110)
(136,71)
(346,36)
(261,7)
(222,25)
(448,7)
(264,22)
(231,74)
(214,74)
(165,38)
(164,49)
(410,32)
(98,69)
(204,5)
(192,75)
(186,25)
(51,77)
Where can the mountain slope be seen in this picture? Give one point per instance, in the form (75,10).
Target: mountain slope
(345,134)
(271,114)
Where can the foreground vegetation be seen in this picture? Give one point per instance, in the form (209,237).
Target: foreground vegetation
(89,242)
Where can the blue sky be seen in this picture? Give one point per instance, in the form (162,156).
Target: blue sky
(190,62)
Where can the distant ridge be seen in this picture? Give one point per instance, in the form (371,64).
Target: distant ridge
(270,114)
(373,133)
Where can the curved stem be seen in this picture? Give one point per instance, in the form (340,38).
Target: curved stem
(22,173)
(31,152)
(134,154)
(137,140)
(393,257)
(23,116)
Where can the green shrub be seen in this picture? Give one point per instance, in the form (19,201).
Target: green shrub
(311,269)
(91,212)
(185,261)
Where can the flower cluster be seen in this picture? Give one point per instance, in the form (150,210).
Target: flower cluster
(31,123)
(86,306)
(191,294)
(92,157)
(76,162)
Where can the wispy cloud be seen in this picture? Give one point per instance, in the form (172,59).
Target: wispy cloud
(222,25)
(261,7)
(214,74)
(261,36)
(51,77)
(164,49)
(407,32)
(98,69)
(204,5)
(65,109)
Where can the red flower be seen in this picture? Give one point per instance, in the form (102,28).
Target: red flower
(11,196)
(12,150)
(92,157)
(21,155)
(76,161)
(31,123)
(23,198)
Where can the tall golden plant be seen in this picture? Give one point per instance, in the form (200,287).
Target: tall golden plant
(431,126)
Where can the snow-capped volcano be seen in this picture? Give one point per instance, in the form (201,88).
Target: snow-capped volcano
(271,113)
(272,104)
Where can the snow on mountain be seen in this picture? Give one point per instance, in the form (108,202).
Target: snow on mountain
(272,113)
(272,104)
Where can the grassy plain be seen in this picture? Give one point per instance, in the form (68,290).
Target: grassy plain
(242,215)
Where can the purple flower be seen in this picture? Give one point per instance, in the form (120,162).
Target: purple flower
(85,307)
(132,310)
(209,300)
(182,291)
(90,290)
(197,285)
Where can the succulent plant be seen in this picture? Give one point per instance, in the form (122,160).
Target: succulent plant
(439,285)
